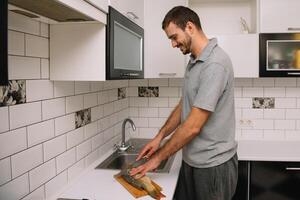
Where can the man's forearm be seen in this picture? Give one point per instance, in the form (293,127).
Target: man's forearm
(172,122)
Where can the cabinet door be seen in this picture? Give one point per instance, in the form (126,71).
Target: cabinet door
(275,181)
(242,189)
(101,4)
(243,51)
(161,60)
(133,9)
(279,16)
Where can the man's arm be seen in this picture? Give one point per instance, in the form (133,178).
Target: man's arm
(183,135)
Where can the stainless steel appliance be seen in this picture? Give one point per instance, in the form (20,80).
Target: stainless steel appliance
(279,54)
(3,42)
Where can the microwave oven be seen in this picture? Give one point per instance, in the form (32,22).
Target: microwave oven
(3,42)
(124,47)
(279,55)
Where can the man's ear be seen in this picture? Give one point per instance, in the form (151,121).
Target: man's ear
(190,27)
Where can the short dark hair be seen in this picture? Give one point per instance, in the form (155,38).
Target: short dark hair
(180,16)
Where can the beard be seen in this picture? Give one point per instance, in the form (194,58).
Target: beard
(185,46)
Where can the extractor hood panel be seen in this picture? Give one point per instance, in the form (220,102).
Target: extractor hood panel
(51,9)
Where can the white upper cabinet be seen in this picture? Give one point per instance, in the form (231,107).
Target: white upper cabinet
(133,9)
(279,16)
(161,59)
(100,4)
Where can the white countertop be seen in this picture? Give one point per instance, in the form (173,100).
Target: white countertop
(100,185)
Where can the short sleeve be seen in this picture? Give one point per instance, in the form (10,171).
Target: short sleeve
(213,81)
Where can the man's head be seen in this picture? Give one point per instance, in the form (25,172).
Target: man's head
(180,25)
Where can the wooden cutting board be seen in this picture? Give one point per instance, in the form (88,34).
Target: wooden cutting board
(131,189)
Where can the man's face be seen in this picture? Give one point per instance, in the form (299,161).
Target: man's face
(179,38)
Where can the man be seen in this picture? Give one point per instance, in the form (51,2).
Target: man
(203,123)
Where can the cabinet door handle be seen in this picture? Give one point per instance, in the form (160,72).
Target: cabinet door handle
(131,15)
(293,29)
(292,168)
(293,73)
(167,74)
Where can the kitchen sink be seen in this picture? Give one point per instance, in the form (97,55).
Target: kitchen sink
(121,159)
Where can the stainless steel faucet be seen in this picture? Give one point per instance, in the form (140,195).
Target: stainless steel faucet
(125,146)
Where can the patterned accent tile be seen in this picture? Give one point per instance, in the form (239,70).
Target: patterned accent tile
(122,93)
(263,102)
(148,91)
(14,93)
(82,117)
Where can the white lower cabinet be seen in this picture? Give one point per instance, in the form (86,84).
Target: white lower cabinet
(161,60)
(243,51)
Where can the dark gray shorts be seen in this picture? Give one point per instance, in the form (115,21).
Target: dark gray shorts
(214,183)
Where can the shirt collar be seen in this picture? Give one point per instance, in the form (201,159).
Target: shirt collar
(206,51)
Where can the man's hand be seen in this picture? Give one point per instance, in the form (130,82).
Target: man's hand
(150,148)
(150,165)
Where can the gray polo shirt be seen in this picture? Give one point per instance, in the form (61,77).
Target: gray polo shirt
(208,84)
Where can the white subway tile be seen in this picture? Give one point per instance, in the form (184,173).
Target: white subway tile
(37,46)
(285,103)
(174,101)
(41,174)
(64,124)
(132,92)
(263,124)
(140,122)
(120,83)
(274,113)
(253,92)
(82,87)
(103,97)
(90,100)
(16,43)
(108,109)
(252,113)
(168,92)
(175,82)
(274,135)
(56,184)
(285,124)
(45,69)
(40,132)
(90,130)
(238,113)
(252,135)
(156,122)
(44,29)
(96,113)
(37,194)
(263,82)
(138,82)
(26,160)
(164,112)
(55,147)
(138,101)
(23,24)
(285,82)
(75,137)
(15,189)
(65,160)
(117,105)
(38,90)
(74,103)
(76,169)
(237,92)
(113,95)
(292,113)
(125,103)
(4,124)
(243,102)
(53,108)
(148,132)
(83,149)
(108,134)
(274,92)
(148,112)
(297,124)
(292,92)
(23,67)
(118,128)
(96,86)
(25,114)
(158,102)
(12,142)
(243,82)
(292,135)
(92,157)
(158,82)
(64,88)
(5,171)
(133,112)
(108,85)
(97,141)
(103,124)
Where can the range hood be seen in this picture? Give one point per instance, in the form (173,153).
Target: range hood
(57,10)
